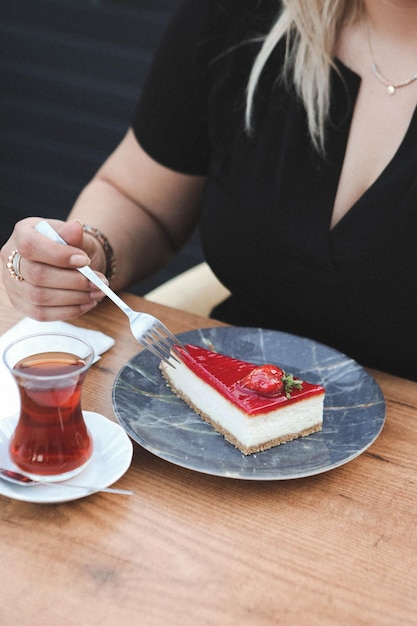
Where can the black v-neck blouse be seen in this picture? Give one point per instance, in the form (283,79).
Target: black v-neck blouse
(265,218)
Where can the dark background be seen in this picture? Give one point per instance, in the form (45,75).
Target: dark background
(70,74)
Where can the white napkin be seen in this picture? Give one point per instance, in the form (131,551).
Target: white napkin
(10,402)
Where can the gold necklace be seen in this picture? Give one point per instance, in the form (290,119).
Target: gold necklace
(391,87)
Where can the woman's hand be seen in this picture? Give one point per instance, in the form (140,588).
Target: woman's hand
(50,288)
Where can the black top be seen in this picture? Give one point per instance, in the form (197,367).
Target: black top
(266,214)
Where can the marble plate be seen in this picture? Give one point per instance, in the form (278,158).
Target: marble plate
(111,458)
(354,410)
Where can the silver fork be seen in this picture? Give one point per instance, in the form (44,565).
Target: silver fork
(148,330)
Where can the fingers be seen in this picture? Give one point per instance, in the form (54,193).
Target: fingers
(70,295)
(36,247)
(42,274)
(45,263)
(49,288)
(45,304)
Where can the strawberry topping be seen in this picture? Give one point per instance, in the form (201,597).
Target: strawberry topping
(270,380)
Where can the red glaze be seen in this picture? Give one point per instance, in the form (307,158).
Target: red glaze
(225,375)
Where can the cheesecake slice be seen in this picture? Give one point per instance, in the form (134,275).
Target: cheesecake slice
(255,407)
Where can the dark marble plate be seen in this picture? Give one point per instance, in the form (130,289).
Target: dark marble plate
(354,410)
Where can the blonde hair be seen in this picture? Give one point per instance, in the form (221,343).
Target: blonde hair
(310,29)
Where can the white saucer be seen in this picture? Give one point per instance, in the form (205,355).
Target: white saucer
(111,458)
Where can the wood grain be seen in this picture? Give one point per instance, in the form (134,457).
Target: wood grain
(336,549)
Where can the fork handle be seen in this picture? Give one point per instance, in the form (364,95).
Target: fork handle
(46,229)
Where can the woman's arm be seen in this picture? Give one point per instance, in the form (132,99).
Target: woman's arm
(145,210)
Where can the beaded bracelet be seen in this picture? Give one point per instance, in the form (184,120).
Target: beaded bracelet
(108,250)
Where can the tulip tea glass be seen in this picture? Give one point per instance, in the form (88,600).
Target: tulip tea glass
(51,441)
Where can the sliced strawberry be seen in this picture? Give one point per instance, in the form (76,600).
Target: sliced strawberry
(267,380)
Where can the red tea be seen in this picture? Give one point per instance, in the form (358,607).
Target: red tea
(51,436)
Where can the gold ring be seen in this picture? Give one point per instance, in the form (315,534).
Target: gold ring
(13,265)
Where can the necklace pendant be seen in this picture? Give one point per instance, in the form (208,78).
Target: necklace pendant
(390,90)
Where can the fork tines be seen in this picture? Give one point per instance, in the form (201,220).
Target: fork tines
(161,343)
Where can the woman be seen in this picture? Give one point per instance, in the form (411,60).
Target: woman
(288,131)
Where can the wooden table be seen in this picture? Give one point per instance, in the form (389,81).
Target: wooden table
(190,549)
